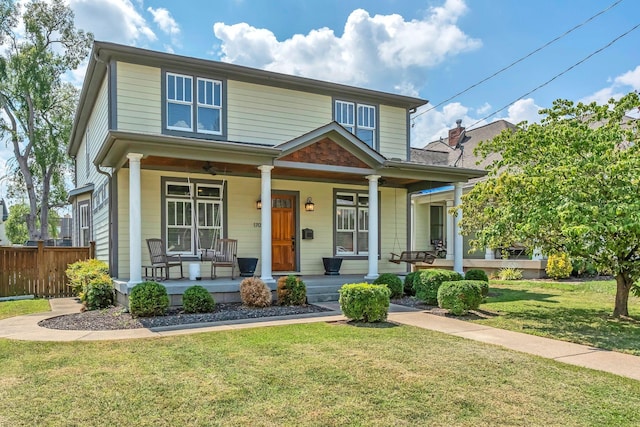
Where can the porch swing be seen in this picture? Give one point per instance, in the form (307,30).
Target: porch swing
(410,257)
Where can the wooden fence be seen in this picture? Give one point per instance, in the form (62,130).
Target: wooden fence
(40,270)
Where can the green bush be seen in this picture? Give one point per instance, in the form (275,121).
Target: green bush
(197,299)
(365,302)
(559,266)
(476,274)
(582,267)
(510,273)
(460,296)
(291,291)
(148,299)
(99,293)
(427,282)
(80,273)
(484,287)
(255,293)
(408,284)
(393,282)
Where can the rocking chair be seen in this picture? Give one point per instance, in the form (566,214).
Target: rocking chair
(224,255)
(160,259)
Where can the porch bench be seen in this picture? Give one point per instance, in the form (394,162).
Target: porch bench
(413,257)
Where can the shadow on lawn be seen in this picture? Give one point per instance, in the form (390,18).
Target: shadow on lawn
(593,327)
(507,294)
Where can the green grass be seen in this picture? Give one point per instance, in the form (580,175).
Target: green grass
(576,312)
(303,375)
(22,307)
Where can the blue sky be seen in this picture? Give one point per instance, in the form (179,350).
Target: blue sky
(429,48)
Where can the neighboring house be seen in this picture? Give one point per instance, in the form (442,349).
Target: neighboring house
(183,149)
(432,223)
(4,215)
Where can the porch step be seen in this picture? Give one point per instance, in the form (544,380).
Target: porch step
(313,298)
(323,293)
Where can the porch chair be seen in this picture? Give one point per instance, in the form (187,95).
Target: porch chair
(160,259)
(224,255)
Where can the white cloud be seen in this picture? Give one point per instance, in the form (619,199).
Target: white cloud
(620,86)
(521,110)
(165,21)
(384,52)
(630,78)
(112,20)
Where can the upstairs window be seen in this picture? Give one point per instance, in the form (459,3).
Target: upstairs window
(359,119)
(193,104)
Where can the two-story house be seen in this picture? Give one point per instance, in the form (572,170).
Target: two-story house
(189,149)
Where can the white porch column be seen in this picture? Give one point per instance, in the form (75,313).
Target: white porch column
(459,245)
(265,196)
(537,255)
(489,253)
(450,234)
(373,227)
(135,219)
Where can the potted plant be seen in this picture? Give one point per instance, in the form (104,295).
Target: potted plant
(247,266)
(332,266)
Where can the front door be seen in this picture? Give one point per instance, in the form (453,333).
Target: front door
(283,232)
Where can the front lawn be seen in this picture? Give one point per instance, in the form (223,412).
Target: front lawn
(22,307)
(576,312)
(315,374)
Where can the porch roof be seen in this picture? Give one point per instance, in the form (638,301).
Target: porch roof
(327,154)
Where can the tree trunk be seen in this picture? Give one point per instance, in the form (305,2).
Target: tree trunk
(623,286)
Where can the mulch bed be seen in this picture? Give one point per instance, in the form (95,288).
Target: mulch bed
(114,318)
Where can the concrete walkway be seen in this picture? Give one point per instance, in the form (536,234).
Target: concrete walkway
(26,328)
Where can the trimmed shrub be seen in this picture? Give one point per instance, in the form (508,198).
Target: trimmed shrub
(509,273)
(427,282)
(365,302)
(197,299)
(99,293)
(291,291)
(80,273)
(408,284)
(148,299)
(476,274)
(460,296)
(559,266)
(255,293)
(484,287)
(391,281)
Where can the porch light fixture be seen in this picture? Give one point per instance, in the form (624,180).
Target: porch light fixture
(309,206)
(259,204)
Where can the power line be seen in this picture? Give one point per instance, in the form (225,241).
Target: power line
(558,75)
(521,59)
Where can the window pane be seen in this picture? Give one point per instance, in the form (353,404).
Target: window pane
(345,199)
(202,99)
(179,239)
(178,190)
(344,242)
(209,192)
(187,89)
(363,200)
(179,116)
(179,88)
(363,242)
(206,237)
(217,95)
(171,87)
(209,120)
(366,135)
(363,220)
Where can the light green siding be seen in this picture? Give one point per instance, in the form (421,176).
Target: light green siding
(393,132)
(139,102)
(270,115)
(244,220)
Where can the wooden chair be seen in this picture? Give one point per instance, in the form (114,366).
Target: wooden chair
(224,255)
(160,259)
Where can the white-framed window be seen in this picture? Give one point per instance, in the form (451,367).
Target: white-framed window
(179,102)
(352,223)
(359,119)
(193,216)
(199,113)
(84,223)
(209,112)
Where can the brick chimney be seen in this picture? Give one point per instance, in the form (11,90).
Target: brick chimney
(454,134)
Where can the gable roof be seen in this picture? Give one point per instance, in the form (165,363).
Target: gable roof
(441,153)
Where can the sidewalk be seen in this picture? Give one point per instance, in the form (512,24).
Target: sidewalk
(26,328)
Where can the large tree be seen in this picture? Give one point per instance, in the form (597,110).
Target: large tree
(37,104)
(570,183)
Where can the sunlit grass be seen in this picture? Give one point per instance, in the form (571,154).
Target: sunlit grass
(22,307)
(576,312)
(303,375)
